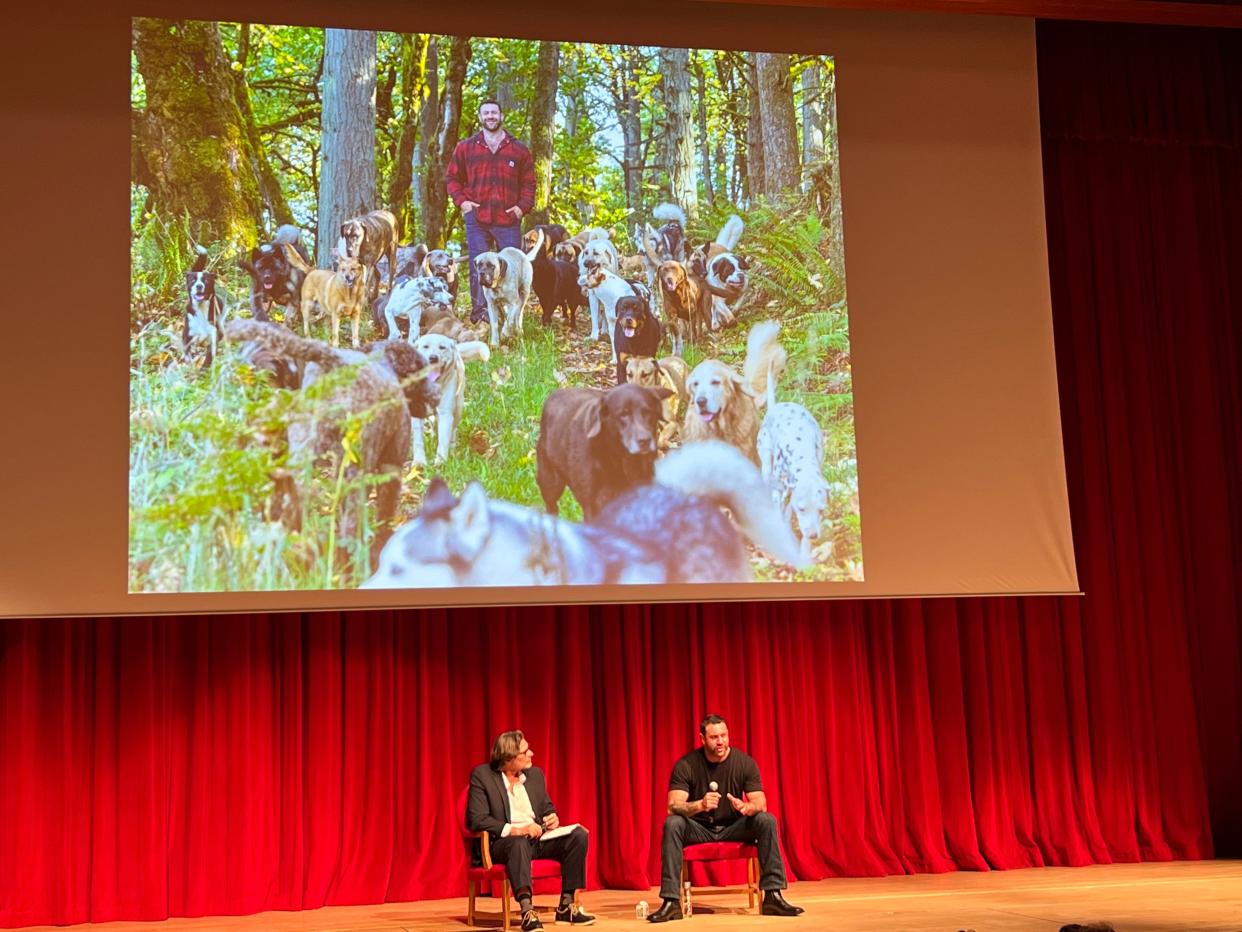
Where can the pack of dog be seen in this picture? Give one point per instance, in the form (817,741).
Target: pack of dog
(670,529)
(277,271)
(723,403)
(204,309)
(367,238)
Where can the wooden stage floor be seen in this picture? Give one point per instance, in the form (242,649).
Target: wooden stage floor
(1133,897)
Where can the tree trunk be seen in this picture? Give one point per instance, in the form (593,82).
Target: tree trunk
(428,128)
(413,94)
(543,126)
(754,183)
(705,144)
(781,168)
(347,178)
(448,129)
(629,117)
(191,147)
(812,121)
(836,226)
(736,114)
(678,149)
(276,207)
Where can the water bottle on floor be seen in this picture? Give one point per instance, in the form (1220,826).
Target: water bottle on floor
(687,904)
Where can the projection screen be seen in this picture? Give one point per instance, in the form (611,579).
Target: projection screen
(841,316)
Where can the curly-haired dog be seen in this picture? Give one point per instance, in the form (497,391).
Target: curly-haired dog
(505,277)
(636,332)
(366,239)
(686,302)
(277,271)
(671,373)
(791,458)
(384,391)
(445,381)
(340,291)
(597,443)
(204,310)
(668,530)
(723,403)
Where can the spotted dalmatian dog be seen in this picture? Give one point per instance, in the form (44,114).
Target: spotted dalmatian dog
(791,456)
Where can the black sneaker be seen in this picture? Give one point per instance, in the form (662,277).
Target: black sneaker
(530,921)
(574,915)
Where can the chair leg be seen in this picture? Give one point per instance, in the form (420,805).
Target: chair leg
(504,898)
(752,882)
(470,903)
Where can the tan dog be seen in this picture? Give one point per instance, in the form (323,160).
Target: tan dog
(338,291)
(670,372)
(632,267)
(444,322)
(367,239)
(723,401)
(686,301)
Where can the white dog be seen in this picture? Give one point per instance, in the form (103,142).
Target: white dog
(791,457)
(597,254)
(605,287)
(409,299)
(506,278)
(446,384)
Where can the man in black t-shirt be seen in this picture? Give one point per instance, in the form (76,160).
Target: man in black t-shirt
(715,794)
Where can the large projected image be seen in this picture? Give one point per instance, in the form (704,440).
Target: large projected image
(416,310)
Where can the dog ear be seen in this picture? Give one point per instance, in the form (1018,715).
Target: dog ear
(742,263)
(592,415)
(743,386)
(469,523)
(504,266)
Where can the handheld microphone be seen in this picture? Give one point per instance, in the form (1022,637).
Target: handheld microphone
(713,786)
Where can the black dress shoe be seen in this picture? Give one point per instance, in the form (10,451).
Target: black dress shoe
(668,911)
(776,905)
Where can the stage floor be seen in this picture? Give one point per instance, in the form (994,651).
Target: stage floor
(1133,897)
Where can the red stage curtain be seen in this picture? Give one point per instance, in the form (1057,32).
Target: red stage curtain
(185,766)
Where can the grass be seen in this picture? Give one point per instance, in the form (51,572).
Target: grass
(204,444)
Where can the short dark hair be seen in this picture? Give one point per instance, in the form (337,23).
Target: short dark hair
(506,748)
(491,100)
(711,718)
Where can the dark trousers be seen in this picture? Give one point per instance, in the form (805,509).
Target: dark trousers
(516,852)
(758,829)
(486,237)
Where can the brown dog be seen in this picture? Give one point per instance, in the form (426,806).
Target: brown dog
(671,373)
(368,238)
(687,303)
(337,291)
(599,444)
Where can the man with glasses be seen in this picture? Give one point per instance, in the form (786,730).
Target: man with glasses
(509,800)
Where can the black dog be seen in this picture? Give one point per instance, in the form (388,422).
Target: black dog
(555,281)
(599,444)
(204,312)
(277,271)
(637,332)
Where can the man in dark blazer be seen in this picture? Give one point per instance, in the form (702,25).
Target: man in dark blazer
(509,800)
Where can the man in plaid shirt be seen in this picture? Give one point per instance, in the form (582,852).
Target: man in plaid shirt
(491,177)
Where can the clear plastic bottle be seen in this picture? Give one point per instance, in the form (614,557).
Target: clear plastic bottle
(687,903)
(640,911)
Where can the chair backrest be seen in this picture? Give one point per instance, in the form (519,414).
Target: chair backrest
(462,822)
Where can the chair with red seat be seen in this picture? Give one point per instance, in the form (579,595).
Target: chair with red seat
(725,851)
(489,874)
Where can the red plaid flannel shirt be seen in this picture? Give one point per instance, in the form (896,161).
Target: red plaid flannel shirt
(495,181)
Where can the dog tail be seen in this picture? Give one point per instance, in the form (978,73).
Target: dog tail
(473,349)
(668,211)
(281,340)
(730,233)
(537,248)
(721,473)
(200,260)
(765,360)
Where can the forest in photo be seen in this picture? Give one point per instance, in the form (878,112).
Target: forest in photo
(243,132)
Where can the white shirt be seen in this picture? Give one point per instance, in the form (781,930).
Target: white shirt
(521,812)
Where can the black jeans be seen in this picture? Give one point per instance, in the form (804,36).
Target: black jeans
(758,829)
(516,852)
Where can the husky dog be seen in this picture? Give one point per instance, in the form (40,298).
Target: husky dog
(670,531)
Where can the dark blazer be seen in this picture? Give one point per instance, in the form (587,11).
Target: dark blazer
(487,806)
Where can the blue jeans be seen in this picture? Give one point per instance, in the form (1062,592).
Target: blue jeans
(484,237)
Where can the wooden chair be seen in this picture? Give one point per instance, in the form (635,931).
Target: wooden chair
(484,878)
(725,851)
